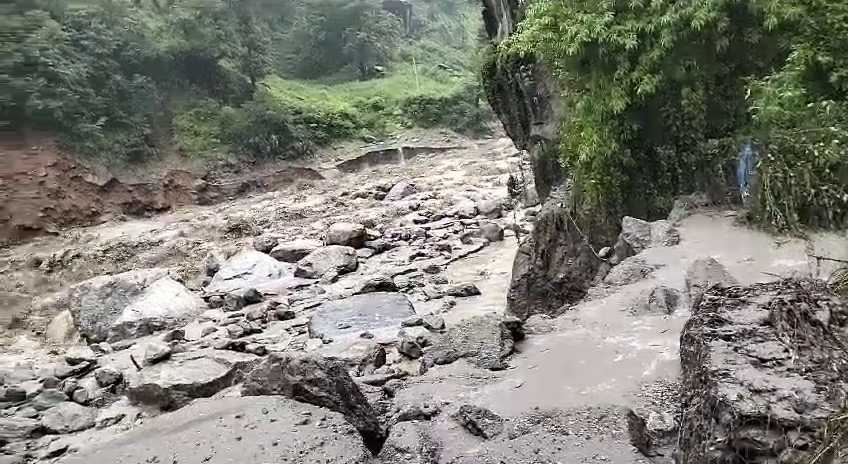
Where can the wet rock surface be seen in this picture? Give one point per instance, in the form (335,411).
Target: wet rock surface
(360,313)
(226,430)
(318,381)
(763,370)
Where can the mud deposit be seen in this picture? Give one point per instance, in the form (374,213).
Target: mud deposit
(359,317)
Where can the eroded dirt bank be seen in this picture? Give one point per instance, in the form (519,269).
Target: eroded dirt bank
(361,318)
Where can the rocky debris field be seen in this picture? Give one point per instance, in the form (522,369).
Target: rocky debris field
(361,319)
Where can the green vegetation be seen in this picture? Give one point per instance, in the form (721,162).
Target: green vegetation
(661,95)
(122,79)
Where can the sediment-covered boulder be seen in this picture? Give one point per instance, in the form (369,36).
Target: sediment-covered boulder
(331,258)
(764,375)
(247,269)
(131,304)
(365,312)
(484,340)
(230,430)
(318,381)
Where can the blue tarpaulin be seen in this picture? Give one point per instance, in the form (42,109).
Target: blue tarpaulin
(745,168)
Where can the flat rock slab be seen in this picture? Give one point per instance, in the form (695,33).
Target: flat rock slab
(174,383)
(234,430)
(248,269)
(369,311)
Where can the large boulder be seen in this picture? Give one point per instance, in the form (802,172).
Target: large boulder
(233,430)
(555,266)
(638,235)
(68,417)
(485,340)
(131,304)
(318,381)
(174,383)
(359,313)
(16,428)
(400,191)
(331,258)
(248,269)
(703,273)
(764,372)
(346,234)
(294,251)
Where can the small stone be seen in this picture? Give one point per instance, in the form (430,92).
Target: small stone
(107,376)
(211,265)
(55,449)
(463,290)
(215,302)
(492,232)
(479,421)
(13,394)
(412,321)
(175,335)
(256,312)
(80,396)
(50,382)
(79,354)
(295,250)
(346,234)
(492,209)
(432,268)
(433,322)
(410,348)
(255,348)
(313,344)
(48,399)
(284,314)
(69,386)
(156,351)
(264,243)
(102,348)
(233,302)
(63,372)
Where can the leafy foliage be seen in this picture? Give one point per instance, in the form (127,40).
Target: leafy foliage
(659,96)
(123,79)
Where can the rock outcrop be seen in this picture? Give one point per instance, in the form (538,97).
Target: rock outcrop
(554,266)
(764,372)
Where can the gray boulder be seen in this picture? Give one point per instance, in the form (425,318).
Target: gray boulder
(656,300)
(332,258)
(463,290)
(759,365)
(703,273)
(107,376)
(318,381)
(131,304)
(629,271)
(485,340)
(200,374)
(638,235)
(359,313)
(294,251)
(479,421)
(346,234)
(247,269)
(400,191)
(492,209)
(466,210)
(79,354)
(492,232)
(233,430)
(554,266)
(265,243)
(68,417)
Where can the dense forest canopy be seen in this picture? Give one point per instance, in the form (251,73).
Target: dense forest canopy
(661,95)
(121,79)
